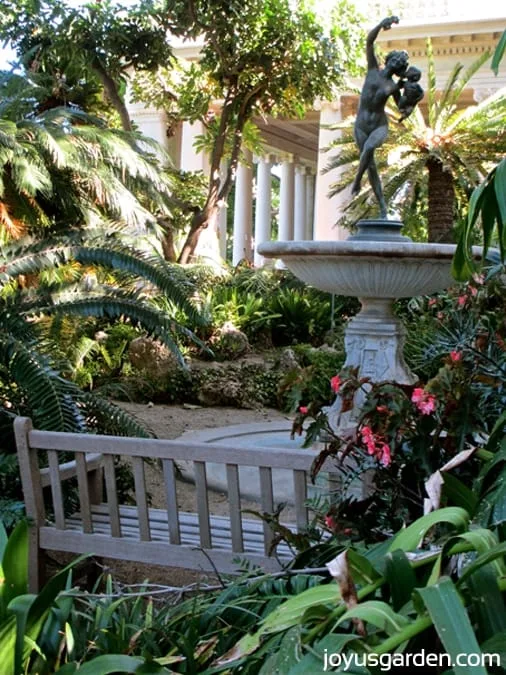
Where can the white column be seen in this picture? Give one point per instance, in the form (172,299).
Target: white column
(190,159)
(222,219)
(309,204)
(286,191)
(328,210)
(299,204)
(263,206)
(243,217)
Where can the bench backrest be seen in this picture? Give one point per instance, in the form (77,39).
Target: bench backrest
(94,453)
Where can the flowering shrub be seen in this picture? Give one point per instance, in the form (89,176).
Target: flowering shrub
(406,433)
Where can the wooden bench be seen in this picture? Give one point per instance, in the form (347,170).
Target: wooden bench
(168,537)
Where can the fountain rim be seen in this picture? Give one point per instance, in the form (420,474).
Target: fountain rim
(360,249)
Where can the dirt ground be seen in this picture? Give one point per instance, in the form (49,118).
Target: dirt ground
(170,422)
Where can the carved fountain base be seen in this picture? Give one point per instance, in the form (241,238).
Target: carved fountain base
(374,344)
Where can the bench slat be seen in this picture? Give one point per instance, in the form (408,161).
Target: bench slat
(112,495)
(300,492)
(84,494)
(141,497)
(267,501)
(202,504)
(169,474)
(234,502)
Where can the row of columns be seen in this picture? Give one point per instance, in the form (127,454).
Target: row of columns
(296,206)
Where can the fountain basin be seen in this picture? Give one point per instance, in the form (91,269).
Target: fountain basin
(367,269)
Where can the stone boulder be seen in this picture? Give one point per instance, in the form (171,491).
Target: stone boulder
(152,358)
(229,342)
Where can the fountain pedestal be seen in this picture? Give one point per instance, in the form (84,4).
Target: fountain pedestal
(374,345)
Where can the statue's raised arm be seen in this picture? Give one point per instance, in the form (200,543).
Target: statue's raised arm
(371,124)
(385,24)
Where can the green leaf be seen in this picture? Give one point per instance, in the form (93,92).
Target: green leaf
(458,494)
(498,53)
(409,539)
(314,660)
(452,624)
(400,577)
(496,645)
(379,614)
(15,566)
(488,603)
(490,556)
(114,663)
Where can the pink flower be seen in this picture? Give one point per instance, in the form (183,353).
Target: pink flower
(432,302)
(461,300)
(303,410)
(368,439)
(455,356)
(425,402)
(382,409)
(479,279)
(385,457)
(335,383)
(330,522)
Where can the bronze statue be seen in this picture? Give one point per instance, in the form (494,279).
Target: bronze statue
(371,125)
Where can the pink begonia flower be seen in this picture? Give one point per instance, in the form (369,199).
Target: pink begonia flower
(425,402)
(455,355)
(461,300)
(303,410)
(330,522)
(473,290)
(432,302)
(386,457)
(335,383)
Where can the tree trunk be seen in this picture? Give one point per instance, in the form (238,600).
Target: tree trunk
(168,250)
(111,90)
(200,221)
(441,202)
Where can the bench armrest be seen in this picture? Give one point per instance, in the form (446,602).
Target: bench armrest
(68,470)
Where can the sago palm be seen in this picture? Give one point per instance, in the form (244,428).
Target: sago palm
(64,168)
(31,376)
(431,162)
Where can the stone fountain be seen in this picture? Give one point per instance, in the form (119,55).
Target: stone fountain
(377,265)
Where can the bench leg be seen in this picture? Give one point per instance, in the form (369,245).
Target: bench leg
(36,561)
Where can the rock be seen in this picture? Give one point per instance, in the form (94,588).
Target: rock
(288,360)
(230,342)
(152,358)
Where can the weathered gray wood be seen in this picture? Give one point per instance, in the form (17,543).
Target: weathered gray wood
(112,495)
(34,501)
(150,552)
(202,504)
(276,458)
(56,491)
(141,497)
(83,492)
(234,506)
(68,469)
(169,475)
(300,492)
(267,501)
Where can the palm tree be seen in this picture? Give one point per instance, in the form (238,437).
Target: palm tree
(431,163)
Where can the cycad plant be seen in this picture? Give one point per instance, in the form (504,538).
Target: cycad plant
(50,280)
(432,161)
(63,167)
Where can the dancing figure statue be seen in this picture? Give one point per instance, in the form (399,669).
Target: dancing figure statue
(371,125)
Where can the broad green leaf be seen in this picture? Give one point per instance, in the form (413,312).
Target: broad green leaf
(452,623)
(286,655)
(498,53)
(15,563)
(314,661)
(410,538)
(286,615)
(3,540)
(379,614)
(458,493)
(400,577)
(496,645)
(493,554)
(361,568)
(488,604)
(115,663)
(500,189)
